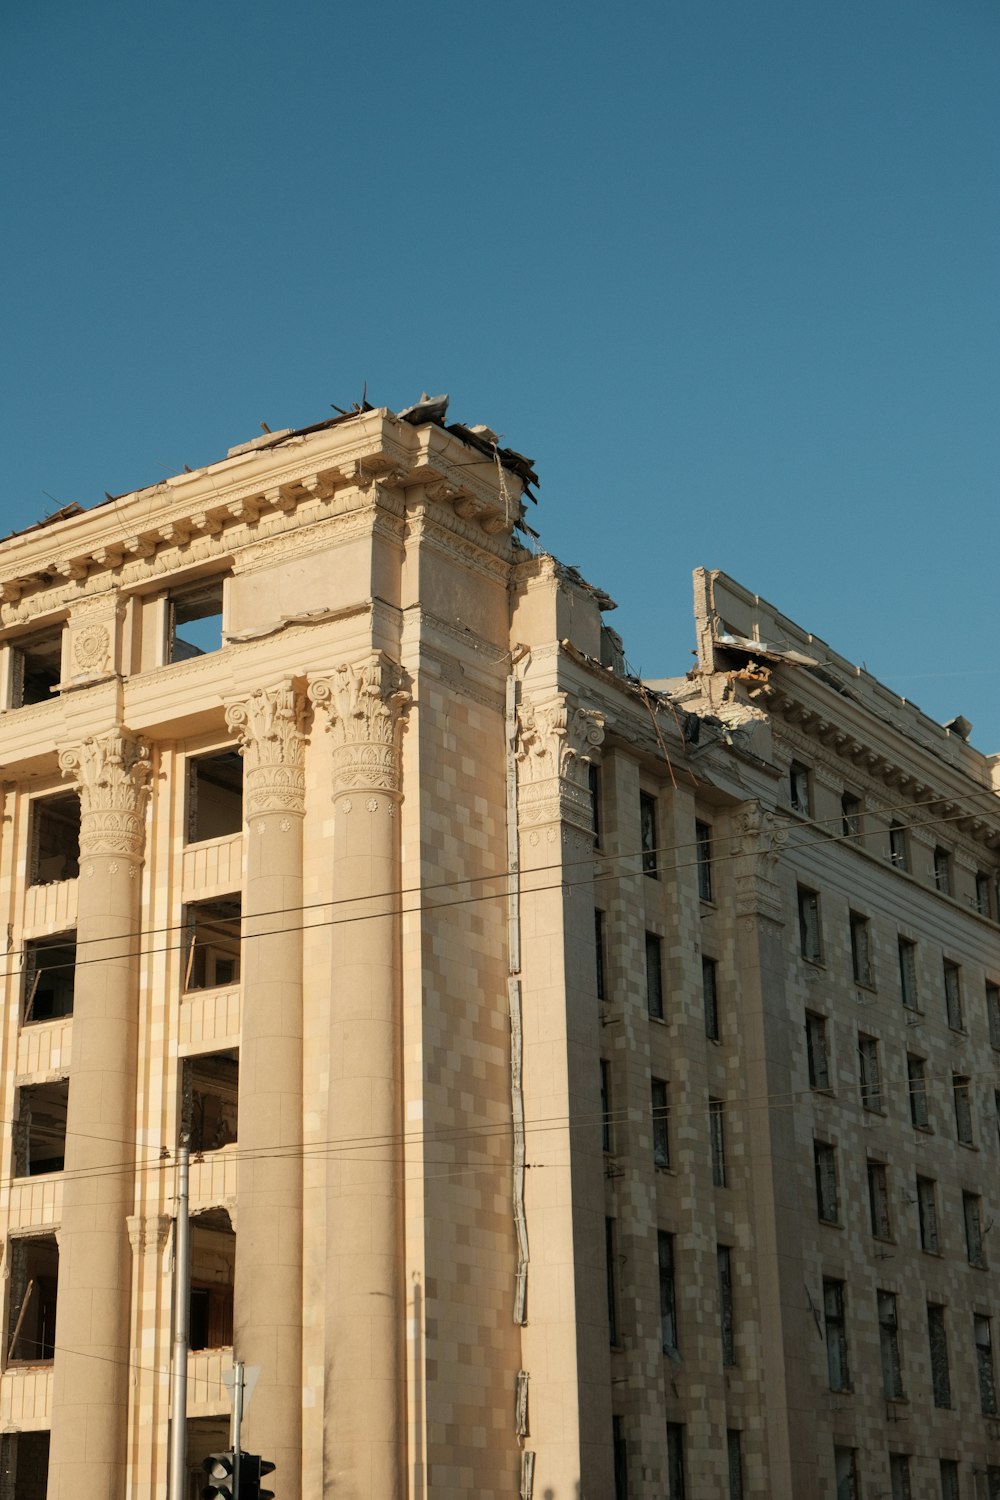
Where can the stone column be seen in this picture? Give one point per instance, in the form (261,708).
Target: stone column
(91,1374)
(364,1372)
(268,1298)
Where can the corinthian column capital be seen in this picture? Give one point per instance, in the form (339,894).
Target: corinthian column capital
(112,775)
(363,703)
(271,727)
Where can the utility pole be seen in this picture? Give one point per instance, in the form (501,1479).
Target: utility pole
(237,1424)
(179,1359)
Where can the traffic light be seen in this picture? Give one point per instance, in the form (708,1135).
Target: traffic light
(252,1471)
(221,1471)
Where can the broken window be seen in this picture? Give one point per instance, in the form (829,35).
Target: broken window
(194,619)
(949,1480)
(984,1365)
(878,1200)
(648,839)
(809,933)
(724,1264)
(40,1128)
(899,1476)
(972,1218)
(983,900)
(210,1099)
(916,1078)
(611,1267)
(960,1087)
(36,667)
(908,973)
(850,815)
(927,1215)
(845,1466)
(606,1137)
(993,1012)
(600,974)
(835,1328)
(668,1292)
(798,788)
(734,1454)
(888,1331)
(816,1054)
(55,839)
(703,851)
(34,1281)
(953,994)
(676,1466)
(826,1182)
(654,976)
(211,956)
(717,1134)
(619,1451)
(49,976)
(942,871)
(710,996)
(869,1073)
(861,950)
(214,796)
(899,849)
(213,1268)
(937,1337)
(661,1122)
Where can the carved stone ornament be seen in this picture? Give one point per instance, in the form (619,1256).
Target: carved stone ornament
(112,772)
(758,844)
(270,725)
(556,741)
(364,702)
(91,648)
(148,1233)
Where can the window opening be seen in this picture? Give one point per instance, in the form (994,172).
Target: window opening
(724,1262)
(984,1366)
(816,1054)
(942,871)
(606,1137)
(899,1476)
(960,1086)
(213,1268)
(24,1465)
(214,796)
(661,1122)
(850,815)
(908,973)
(953,994)
(648,840)
(972,1218)
(835,1326)
(845,1465)
(993,1012)
(916,1078)
(717,1131)
(55,839)
(676,1467)
(826,1182)
(734,1454)
(620,1452)
(210,1099)
(49,977)
(594,789)
(888,1329)
(609,1252)
(36,667)
(983,901)
(211,955)
(798,786)
(654,976)
(949,1480)
(34,1283)
(927,1215)
(937,1337)
(668,1293)
(703,848)
(600,979)
(861,951)
(809,933)
(710,995)
(194,619)
(899,852)
(40,1128)
(869,1073)
(878,1200)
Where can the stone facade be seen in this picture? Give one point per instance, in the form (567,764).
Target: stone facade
(592,1084)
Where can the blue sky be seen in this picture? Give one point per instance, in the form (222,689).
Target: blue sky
(729,270)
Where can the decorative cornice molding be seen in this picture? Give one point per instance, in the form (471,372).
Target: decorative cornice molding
(363,703)
(112,775)
(557,739)
(271,727)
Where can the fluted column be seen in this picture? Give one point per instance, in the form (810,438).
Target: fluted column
(268,1299)
(364,1389)
(91,1375)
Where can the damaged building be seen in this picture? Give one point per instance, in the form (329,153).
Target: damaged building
(591,1083)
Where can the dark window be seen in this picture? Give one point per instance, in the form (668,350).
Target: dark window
(984,1366)
(816,1053)
(869,1072)
(654,976)
(661,1122)
(878,1200)
(210,1086)
(703,845)
(899,1476)
(850,816)
(798,788)
(24,1465)
(810,945)
(734,1454)
(937,1337)
(960,1088)
(211,956)
(942,871)
(676,1466)
(861,950)
(610,1252)
(600,979)
(648,839)
(668,1293)
(620,1450)
(835,1325)
(194,619)
(40,1128)
(213,1262)
(993,1012)
(605,1105)
(846,1470)
(710,995)
(724,1262)
(953,994)
(949,1481)
(55,839)
(215,796)
(888,1332)
(34,1283)
(826,1182)
(916,1078)
(717,1133)
(973,1220)
(927,1215)
(983,901)
(36,667)
(899,850)
(908,973)
(49,977)
(594,788)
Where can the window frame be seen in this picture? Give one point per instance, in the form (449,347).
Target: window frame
(703,855)
(810,925)
(827,1187)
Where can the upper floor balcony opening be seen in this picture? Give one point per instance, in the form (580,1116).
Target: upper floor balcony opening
(40,1128)
(211,953)
(54,852)
(35,667)
(49,977)
(214,796)
(194,619)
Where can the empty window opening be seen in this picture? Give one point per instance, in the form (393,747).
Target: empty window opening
(648,839)
(845,1463)
(984,1366)
(724,1263)
(600,968)
(34,1282)
(835,1326)
(861,951)
(717,1134)
(993,1012)
(194,619)
(949,1480)
(703,848)
(668,1293)
(810,945)
(899,849)
(210,1096)
(710,996)
(611,1272)
(942,871)
(816,1053)
(908,973)
(49,976)
(40,1128)
(211,953)
(661,1122)
(937,1337)
(619,1447)
(888,1331)
(676,1466)
(55,839)
(973,1220)
(878,1200)
(36,667)
(850,815)
(899,1476)
(916,1079)
(607,1138)
(24,1465)
(953,994)
(213,1268)
(961,1091)
(825,1158)
(654,976)
(734,1453)
(869,1073)
(927,1215)
(798,788)
(214,796)
(984,904)
(594,788)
